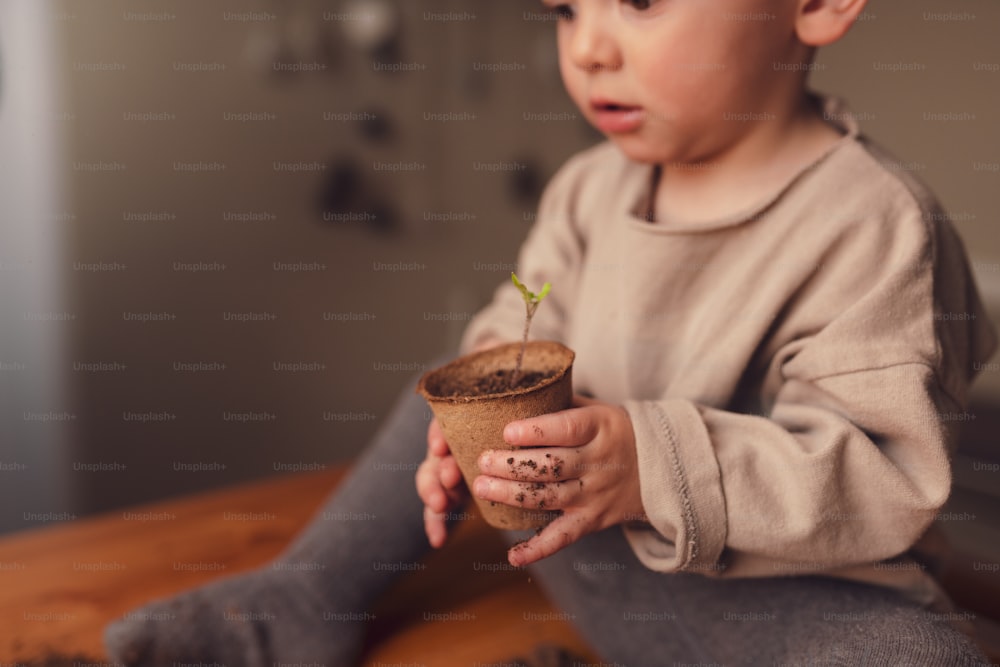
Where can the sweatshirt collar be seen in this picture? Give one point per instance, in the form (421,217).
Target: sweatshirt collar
(835,112)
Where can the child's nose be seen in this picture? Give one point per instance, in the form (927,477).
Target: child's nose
(592,45)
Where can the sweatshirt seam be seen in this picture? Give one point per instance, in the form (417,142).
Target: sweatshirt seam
(687,509)
(914,197)
(937,380)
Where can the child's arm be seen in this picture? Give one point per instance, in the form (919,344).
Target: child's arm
(847,465)
(845,471)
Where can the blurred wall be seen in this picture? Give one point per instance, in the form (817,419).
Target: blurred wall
(273,227)
(276,218)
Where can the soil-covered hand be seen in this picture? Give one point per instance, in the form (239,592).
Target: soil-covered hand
(439,485)
(582,462)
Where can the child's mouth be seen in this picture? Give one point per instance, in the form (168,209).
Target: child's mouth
(615,118)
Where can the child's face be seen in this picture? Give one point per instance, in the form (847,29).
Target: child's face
(673,81)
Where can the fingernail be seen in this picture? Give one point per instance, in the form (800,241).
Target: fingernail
(511,433)
(481,486)
(485,461)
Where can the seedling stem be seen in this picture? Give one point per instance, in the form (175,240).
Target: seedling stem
(531,301)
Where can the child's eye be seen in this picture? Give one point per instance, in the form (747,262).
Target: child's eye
(640,5)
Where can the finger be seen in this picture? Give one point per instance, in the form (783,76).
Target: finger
(435,527)
(533,495)
(449,474)
(566,428)
(529,465)
(562,532)
(456,497)
(429,486)
(452,482)
(436,444)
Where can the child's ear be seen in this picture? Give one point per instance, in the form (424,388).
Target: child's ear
(822,22)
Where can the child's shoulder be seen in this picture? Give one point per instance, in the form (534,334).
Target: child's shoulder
(896,180)
(879,175)
(859,175)
(862,188)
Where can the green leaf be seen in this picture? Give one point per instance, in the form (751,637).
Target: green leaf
(529,296)
(524,290)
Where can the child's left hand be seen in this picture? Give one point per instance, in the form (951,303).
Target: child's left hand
(582,461)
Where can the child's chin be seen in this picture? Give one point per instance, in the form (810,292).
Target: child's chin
(637,151)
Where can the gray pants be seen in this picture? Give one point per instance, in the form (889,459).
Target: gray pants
(636,617)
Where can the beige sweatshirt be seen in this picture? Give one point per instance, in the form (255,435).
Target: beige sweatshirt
(796,375)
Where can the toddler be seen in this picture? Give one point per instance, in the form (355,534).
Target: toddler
(771,326)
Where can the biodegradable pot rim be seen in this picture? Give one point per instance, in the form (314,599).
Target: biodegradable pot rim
(468,359)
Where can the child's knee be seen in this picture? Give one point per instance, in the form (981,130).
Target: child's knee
(907,637)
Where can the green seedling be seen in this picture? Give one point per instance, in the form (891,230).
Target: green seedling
(531,301)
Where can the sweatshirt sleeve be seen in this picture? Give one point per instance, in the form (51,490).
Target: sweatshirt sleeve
(846,469)
(552,252)
(848,462)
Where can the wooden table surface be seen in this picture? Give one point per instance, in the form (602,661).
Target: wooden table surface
(61,584)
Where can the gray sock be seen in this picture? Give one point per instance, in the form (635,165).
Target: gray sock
(311,604)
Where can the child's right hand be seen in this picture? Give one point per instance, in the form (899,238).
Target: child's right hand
(439,484)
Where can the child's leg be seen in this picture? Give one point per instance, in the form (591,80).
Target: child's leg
(634,616)
(310,604)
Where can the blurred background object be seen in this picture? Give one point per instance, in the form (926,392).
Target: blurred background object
(230,232)
(36,436)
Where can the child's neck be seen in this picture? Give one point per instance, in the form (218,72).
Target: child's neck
(745,174)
